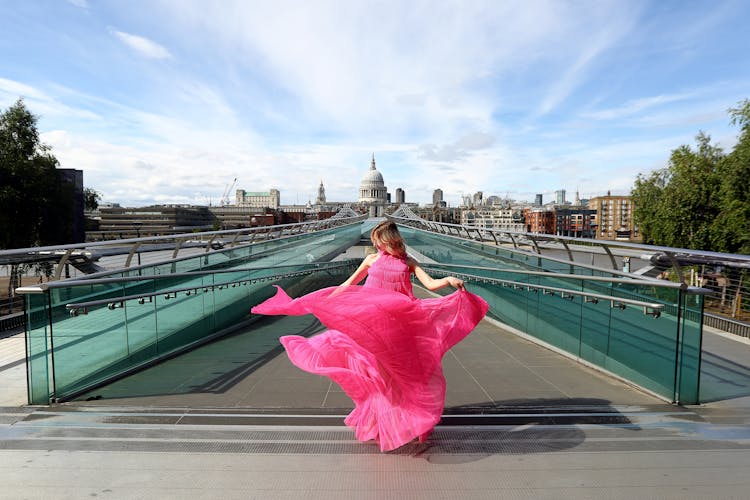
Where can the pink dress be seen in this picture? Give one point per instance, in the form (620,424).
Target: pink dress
(383,346)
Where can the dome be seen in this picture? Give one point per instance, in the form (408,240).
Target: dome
(373,177)
(372,188)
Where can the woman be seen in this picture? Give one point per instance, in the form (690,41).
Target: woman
(384,346)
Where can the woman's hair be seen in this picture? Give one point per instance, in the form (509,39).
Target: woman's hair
(386,233)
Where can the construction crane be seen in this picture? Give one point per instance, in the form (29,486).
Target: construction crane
(225,197)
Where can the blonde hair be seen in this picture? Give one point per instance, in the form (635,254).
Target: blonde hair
(386,234)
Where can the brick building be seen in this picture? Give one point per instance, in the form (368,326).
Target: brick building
(614,218)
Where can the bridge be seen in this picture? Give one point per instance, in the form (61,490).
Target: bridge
(583,379)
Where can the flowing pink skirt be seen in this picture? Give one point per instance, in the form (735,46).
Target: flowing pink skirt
(385,351)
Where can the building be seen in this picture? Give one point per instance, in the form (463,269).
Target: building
(579,222)
(502,219)
(437,198)
(258,199)
(478,199)
(614,218)
(400,196)
(493,201)
(538,200)
(321,199)
(439,213)
(560,197)
(234,217)
(539,220)
(373,193)
(156,220)
(74,178)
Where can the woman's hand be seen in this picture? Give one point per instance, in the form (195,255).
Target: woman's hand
(455,282)
(434,284)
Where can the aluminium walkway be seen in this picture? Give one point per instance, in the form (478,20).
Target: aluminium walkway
(521,422)
(234,419)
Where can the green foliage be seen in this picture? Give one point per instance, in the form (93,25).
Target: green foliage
(647,193)
(701,200)
(676,206)
(732,231)
(35,206)
(91,199)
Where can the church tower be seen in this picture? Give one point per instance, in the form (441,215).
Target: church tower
(321,199)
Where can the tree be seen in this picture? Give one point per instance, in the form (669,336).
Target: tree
(35,205)
(91,199)
(677,206)
(731,231)
(30,191)
(647,195)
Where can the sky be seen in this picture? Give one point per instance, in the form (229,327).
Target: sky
(170,101)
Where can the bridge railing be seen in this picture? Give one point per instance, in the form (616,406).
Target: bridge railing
(85,333)
(82,332)
(647,332)
(85,255)
(726,277)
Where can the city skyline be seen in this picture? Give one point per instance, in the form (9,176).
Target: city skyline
(168,102)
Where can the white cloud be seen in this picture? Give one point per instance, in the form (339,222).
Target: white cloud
(142,45)
(458,150)
(588,36)
(369,70)
(635,106)
(40,102)
(466,96)
(11,90)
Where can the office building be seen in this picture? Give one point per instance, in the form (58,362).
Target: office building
(614,218)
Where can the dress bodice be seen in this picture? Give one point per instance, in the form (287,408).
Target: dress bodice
(390,273)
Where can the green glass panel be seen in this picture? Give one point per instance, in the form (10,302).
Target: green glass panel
(626,342)
(643,348)
(91,341)
(38,351)
(182,319)
(596,336)
(689,369)
(176,312)
(560,319)
(143,321)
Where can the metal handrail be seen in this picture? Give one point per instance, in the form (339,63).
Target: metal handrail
(554,259)
(735,258)
(91,277)
(43,287)
(87,248)
(721,277)
(109,243)
(582,277)
(114,303)
(649,308)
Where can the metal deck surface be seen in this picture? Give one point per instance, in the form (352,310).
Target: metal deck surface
(230,420)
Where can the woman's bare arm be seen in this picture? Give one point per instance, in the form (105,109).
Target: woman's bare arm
(431,283)
(361,271)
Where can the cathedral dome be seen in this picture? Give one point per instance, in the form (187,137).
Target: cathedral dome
(373,177)
(372,188)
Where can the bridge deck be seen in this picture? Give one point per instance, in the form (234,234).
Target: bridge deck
(491,368)
(230,421)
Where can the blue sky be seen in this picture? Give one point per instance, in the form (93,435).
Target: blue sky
(167,101)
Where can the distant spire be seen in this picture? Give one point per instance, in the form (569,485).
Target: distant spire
(372,163)
(321,199)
